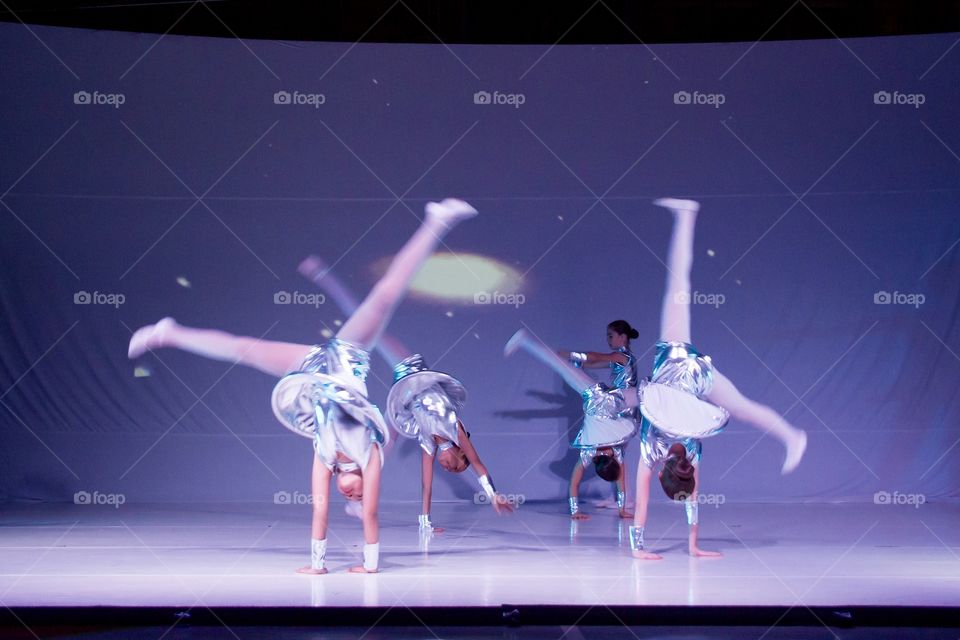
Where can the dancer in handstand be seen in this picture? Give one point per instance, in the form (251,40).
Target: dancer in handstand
(606,458)
(608,423)
(322,393)
(423,404)
(675,416)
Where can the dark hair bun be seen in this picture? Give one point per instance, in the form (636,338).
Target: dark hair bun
(623,327)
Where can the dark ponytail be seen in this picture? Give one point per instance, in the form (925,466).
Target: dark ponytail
(623,327)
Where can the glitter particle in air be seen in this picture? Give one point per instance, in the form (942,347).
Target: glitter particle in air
(449,314)
(183,282)
(326,333)
(711,252)
(141,372)
(738,281)
(338,323)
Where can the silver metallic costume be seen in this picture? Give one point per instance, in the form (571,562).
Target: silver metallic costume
(326,400)
(624,375)
(678,366)
(604,424)
(424,403)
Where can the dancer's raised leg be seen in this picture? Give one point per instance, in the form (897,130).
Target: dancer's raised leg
(725,394)
(318,272)
(574,377)
(372,316)
(271,357)
(675,311)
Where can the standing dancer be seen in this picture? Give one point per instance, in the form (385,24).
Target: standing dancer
(422,404)
(682,377)
(322,393)
(608,423)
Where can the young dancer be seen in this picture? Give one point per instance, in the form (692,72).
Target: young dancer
(606,460)
(675,415)
(322,393)
(607,424)
(422,404)
(682,377)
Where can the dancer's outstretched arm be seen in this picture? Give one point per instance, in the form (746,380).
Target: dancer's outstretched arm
(594,359)
(575,479)
(637,542)
(271,357)
(692,506)
(622,490)
(317,271)
(499,504)
(320,494)
(371,522)
(426,480)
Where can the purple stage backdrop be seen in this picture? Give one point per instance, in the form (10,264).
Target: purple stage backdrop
(144,176)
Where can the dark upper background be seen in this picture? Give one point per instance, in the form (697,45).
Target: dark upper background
(501,21)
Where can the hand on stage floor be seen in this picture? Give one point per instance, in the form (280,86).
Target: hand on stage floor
(360,569)
(501,504)
(626,515)
(580,516)
(311,571)
(647,555)
(697,552)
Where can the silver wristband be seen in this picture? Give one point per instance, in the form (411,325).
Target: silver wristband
(371,556)
(621,500)
(487,485)
(693,512)
(318,553)
(636,538)
(577,358)
(574,507)
(425,524)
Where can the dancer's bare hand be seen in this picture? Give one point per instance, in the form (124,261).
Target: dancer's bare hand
(360,569)
(697,552)
(626,515)
(580,516)
(647,555)
(501,505)
(311,571)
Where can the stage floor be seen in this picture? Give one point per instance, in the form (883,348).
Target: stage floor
(245,554)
